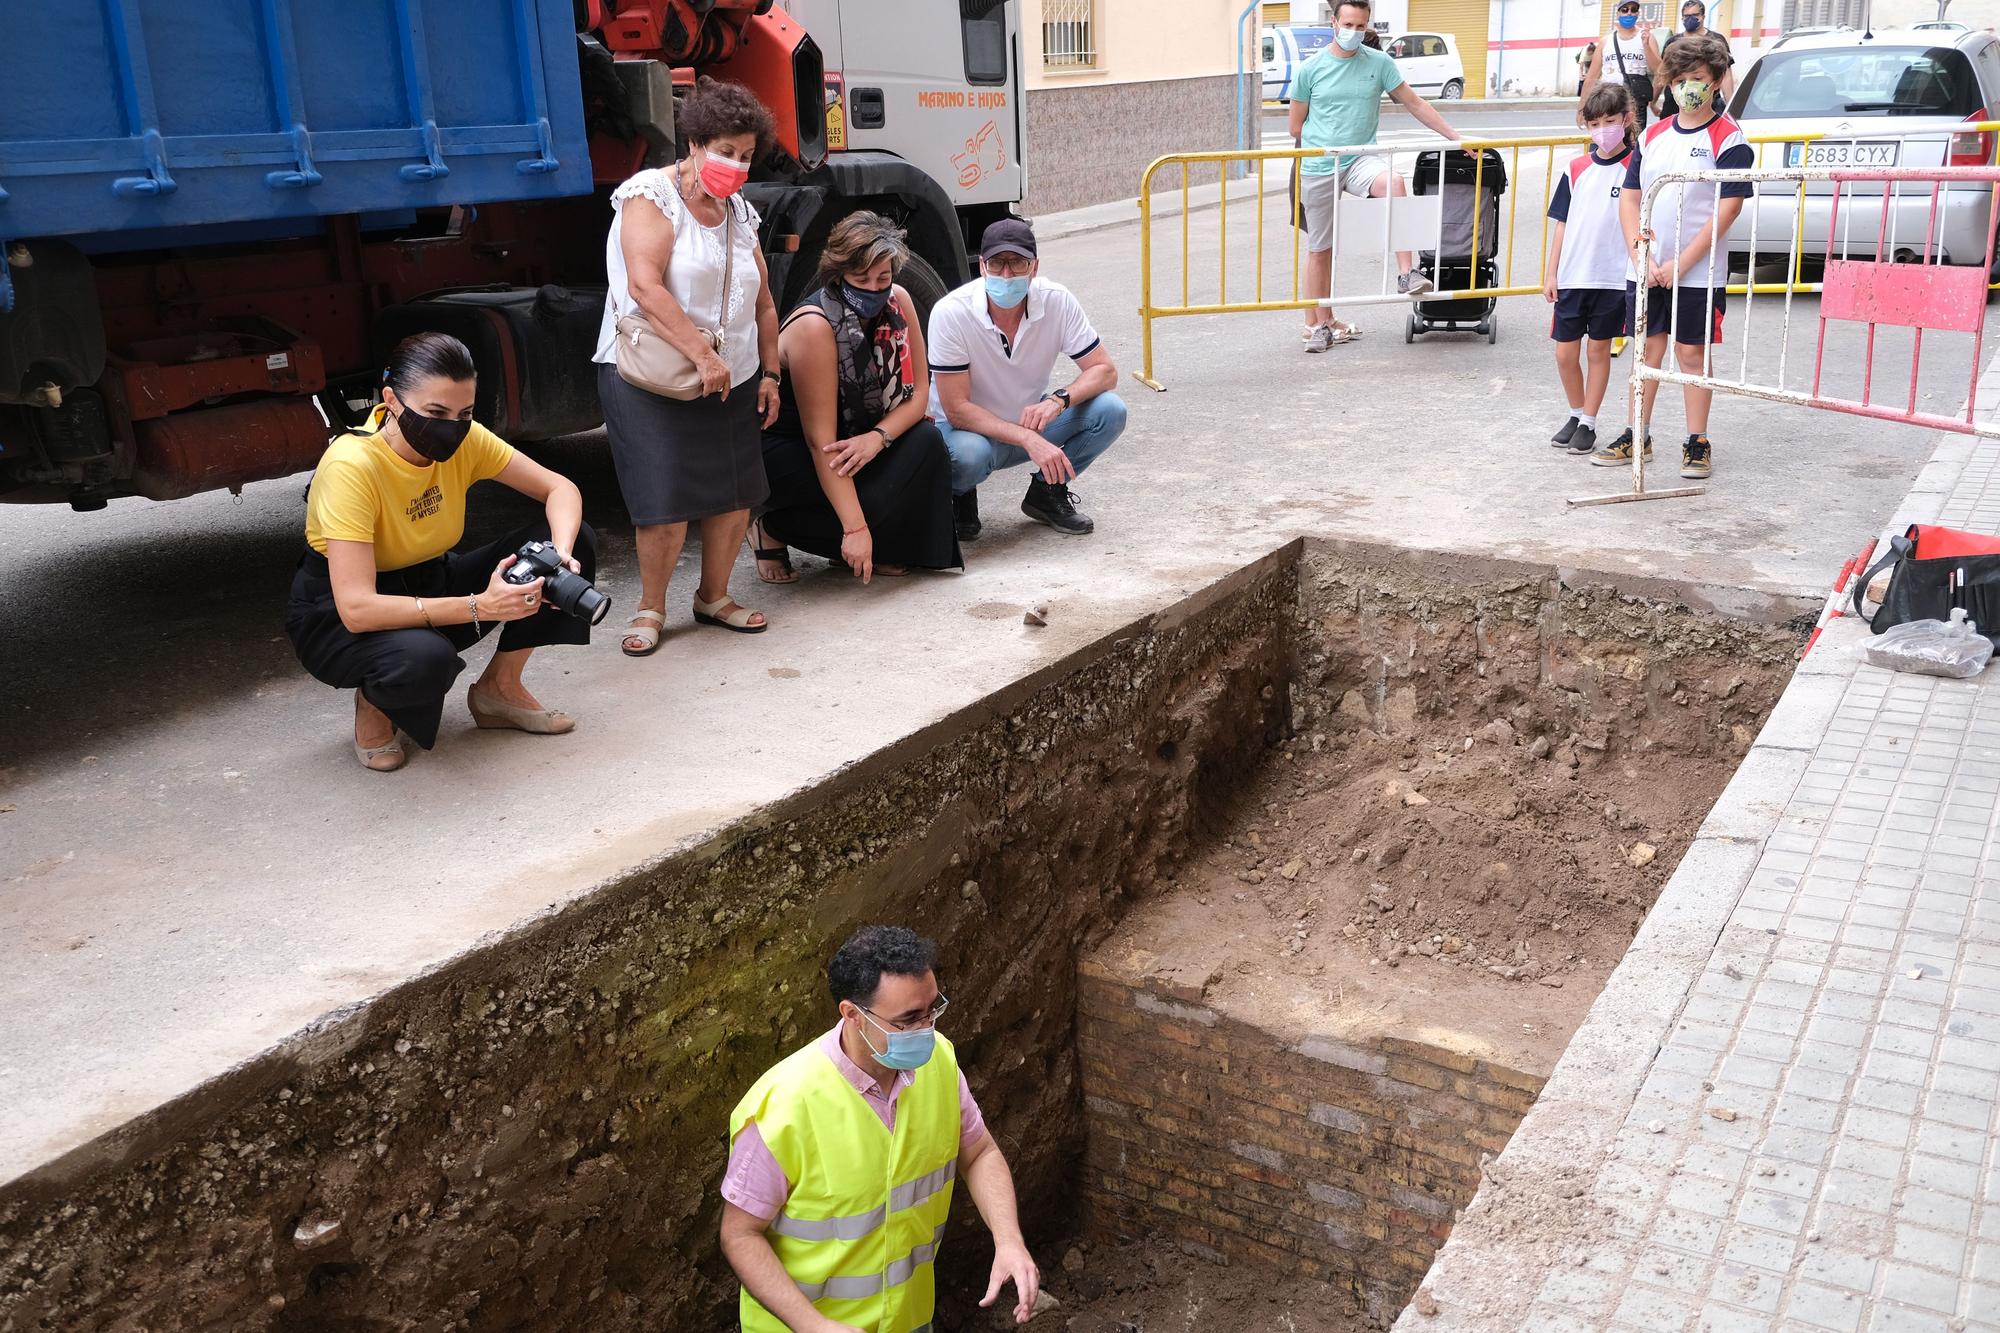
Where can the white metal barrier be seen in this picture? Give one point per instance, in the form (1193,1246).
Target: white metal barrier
(1907,285)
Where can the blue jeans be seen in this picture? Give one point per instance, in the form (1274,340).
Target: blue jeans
(1083,432)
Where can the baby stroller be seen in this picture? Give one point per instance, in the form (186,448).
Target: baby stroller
(1456,268)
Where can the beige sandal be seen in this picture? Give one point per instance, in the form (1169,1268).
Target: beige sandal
(493,715)
(648,633)
(711,613)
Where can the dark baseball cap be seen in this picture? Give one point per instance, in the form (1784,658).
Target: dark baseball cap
(1008,236)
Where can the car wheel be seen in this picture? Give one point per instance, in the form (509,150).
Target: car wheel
(1454,90)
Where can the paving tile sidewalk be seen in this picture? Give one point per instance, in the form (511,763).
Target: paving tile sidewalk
(1781,1113)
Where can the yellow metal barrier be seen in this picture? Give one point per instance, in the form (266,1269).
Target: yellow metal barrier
(1150,310)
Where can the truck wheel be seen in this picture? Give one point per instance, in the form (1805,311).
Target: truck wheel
(1454,90)
(924,285)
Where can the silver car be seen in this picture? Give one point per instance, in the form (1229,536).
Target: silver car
(1886,99)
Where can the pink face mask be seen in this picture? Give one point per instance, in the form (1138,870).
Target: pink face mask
(1608,138)
(722,176)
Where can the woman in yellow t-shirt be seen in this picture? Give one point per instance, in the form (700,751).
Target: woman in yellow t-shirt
(381,603)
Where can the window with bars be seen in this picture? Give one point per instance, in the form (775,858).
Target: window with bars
(1069,34)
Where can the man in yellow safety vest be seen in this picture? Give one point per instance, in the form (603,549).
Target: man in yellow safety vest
(842,1158)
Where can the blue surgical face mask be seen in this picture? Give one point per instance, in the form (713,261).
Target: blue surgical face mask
(1349,39)
(1006,292)
(905,1050)
(1628,20)
(863,302)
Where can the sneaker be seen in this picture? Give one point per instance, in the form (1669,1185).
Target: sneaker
(1055,506)
(1569,428)
(1321,339)
(1618,453)
(1695,461)
(1584,441)
(965,513)
(1414,283)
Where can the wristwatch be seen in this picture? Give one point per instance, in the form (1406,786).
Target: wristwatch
(1060,395)
(772,376)
(887,438)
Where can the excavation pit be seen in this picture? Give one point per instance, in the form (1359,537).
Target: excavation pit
(1157,871)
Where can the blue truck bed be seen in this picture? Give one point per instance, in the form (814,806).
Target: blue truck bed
(119,115)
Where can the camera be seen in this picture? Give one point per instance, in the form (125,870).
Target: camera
(571,593)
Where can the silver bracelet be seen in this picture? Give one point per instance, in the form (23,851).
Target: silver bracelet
(472,605)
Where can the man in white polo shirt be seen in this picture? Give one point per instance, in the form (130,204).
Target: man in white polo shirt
(993,346)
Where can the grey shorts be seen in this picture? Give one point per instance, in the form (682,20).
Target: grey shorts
(1322,196)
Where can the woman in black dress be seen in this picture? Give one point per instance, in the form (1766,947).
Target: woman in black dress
(858,472)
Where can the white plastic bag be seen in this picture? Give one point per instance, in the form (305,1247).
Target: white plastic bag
(1933,647)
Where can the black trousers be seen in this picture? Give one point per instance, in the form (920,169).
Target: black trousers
(408,672)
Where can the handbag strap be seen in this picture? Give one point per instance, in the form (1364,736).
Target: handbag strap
(1899,547)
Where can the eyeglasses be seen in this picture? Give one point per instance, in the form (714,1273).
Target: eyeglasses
(1628,9)
(928,1019)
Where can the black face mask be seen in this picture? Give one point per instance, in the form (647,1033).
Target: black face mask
(1690,21)
(863,302)
(436,438)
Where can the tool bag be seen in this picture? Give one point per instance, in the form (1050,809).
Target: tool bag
(1936,570)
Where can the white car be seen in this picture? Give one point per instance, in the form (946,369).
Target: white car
(1430,64)
(1887,99)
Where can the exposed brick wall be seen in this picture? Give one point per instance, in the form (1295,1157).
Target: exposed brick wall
(1329,1160)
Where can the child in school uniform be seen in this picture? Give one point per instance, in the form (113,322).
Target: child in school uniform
(1684,261)
(1587,263)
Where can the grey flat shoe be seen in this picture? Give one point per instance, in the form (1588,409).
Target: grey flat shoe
(492,715)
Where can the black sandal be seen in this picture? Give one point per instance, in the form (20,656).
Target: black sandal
(776,555)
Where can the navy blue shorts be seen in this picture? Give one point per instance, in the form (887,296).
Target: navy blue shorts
(1700,311)
(1588,312)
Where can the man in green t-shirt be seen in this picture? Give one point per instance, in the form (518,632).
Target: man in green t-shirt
(1336,102)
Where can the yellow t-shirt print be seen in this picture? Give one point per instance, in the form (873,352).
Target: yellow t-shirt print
(363,491)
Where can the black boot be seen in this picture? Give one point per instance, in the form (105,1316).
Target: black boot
(965,513)
(1055,506)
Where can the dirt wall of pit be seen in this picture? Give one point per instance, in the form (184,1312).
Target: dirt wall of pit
(531,1137)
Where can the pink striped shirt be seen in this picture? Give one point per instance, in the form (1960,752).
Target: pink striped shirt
(756,1183)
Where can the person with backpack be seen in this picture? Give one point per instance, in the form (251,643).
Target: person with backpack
(1628,55)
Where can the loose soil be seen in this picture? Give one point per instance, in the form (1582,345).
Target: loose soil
(1137,1287)
(1469,876)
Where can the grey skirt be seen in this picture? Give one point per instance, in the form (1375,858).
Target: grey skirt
(681,461)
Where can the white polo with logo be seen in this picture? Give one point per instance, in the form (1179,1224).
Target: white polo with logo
(1006,375)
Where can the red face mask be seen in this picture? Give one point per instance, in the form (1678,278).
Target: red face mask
(722,176)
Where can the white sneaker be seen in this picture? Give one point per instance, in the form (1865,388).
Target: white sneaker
(1322,339)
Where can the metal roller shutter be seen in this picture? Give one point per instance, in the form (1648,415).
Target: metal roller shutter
(1278,14)
(1464,20)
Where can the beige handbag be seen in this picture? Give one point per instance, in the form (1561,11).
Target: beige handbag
(648,361)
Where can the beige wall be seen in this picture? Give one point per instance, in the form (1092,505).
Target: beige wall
(1142,40)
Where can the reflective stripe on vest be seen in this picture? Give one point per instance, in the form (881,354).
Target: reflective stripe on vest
(861,1288)
(907,1195)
